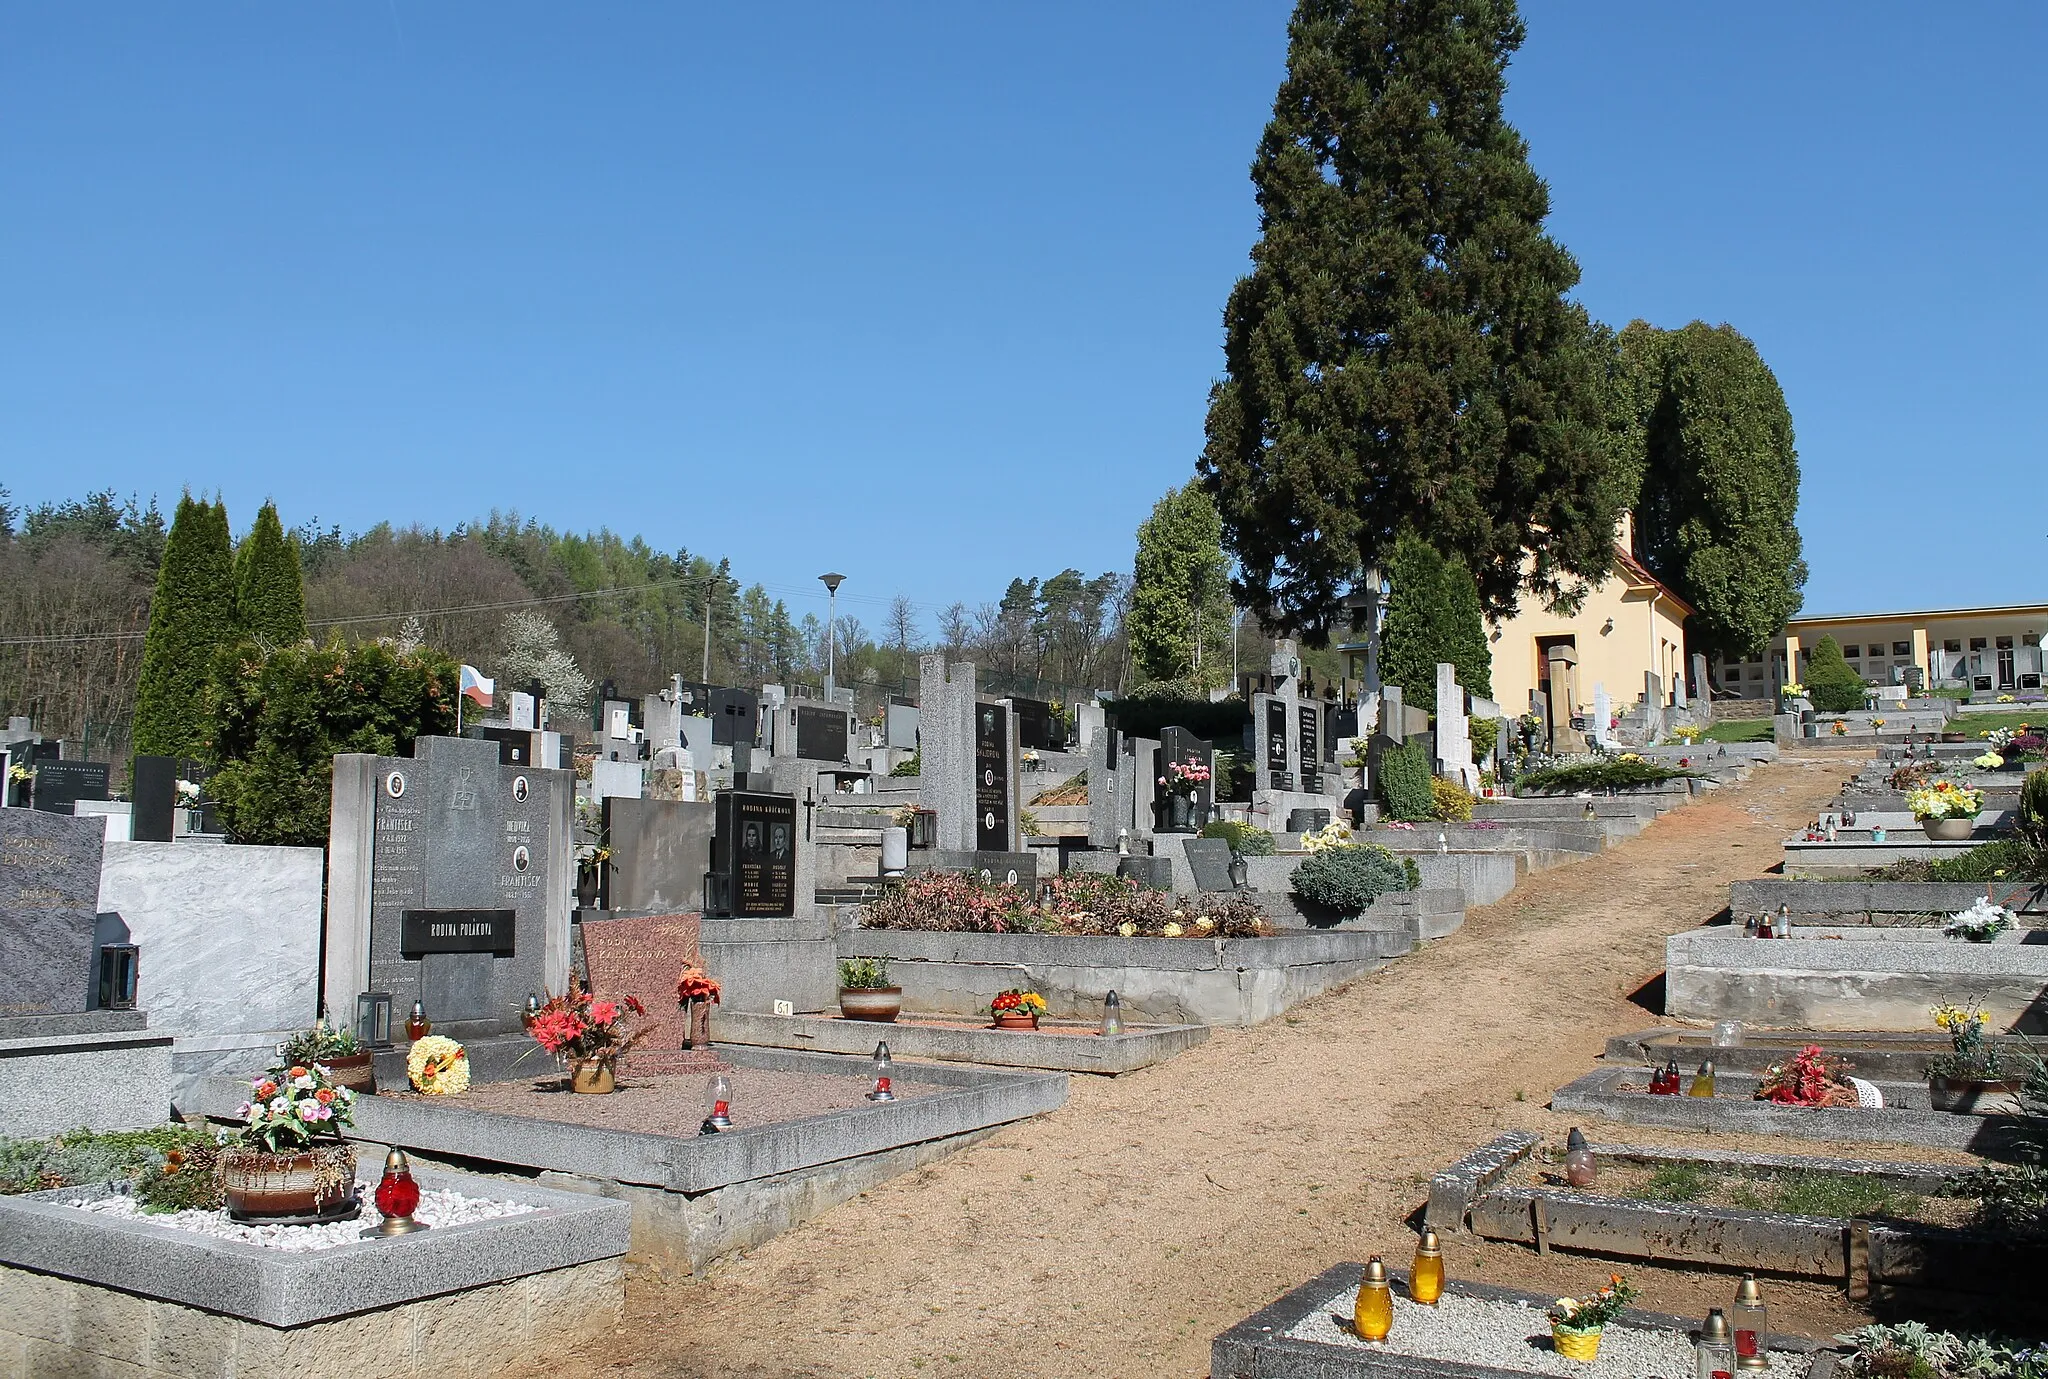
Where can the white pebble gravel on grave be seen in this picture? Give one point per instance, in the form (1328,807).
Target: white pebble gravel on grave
(1516,1336)
(438,1207)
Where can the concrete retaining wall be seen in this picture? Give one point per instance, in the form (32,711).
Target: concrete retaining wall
(761,961)
(1160,980)
(1851,984)
(1872,902)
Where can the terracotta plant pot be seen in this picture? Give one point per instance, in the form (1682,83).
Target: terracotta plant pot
(1974,1096)
(1949,830)
(881,1004)
(1010,1020)
(1583,1346)
(591,1076)
(358,1072)
(317,1183)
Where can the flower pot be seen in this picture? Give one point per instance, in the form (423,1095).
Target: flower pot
(1013,1020)
(1178,810)
(1574,1344)
(317,1184)
(1949,830)
(591,1076)
(358,1072)
(696,1022)
(879,1003)
(1974,1096)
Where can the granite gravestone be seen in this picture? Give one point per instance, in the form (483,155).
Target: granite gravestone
(1034,724)
(1309,719)
(1275,725)
(1179,747)
(155,788)
(991,778)
(660,852)
(643,958)
(753,856)
(49,905)
(462,900)
(822,734)
(61,784)
(1209,859)
(735,717)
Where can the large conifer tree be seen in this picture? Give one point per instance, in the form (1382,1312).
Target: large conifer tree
(1180,592)
(1402,356)
(191,616)
(270,594)
(1720,481)
(1432,616)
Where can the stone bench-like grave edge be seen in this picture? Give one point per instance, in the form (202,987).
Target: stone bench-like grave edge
(1260,1348)
(1596,1094)
(1871,1256)
(1878,1055)
(1139,1046)
(1911,901)
(684,1161)
(285,1289)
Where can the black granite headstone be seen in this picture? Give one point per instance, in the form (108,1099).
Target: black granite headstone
(822,734)
(1034,724)
(155,793)
(735,717)
(1276,736)
(61,784)
(991,778)
(753,851)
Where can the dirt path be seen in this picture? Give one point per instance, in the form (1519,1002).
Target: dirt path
(1116,1236)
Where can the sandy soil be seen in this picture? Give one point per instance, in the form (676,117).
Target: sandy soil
(1116,1236)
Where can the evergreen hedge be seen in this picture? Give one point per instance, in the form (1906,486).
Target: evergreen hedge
(1347,879)
(280,715)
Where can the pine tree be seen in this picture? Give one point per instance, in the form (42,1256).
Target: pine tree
(270,595)
(1720,482)
(1179,591)
(1403,356)
(191,617)
(1432,616)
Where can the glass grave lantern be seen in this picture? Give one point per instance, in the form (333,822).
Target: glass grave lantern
(719,1095)
(1112,1014)
(1750,1320)
(398,1197)
(373,1019)
(417,1025)
(884,1090)
(1372,1316)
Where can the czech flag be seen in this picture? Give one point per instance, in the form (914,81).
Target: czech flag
(478,686)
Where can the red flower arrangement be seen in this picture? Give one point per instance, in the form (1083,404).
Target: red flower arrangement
(579,1025)
(696,985)
(1812,1079)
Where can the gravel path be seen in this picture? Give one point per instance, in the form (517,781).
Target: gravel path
(1116,1236)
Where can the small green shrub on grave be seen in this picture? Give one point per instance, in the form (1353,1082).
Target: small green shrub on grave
(2030,820)
(1349,878)
(864,974)
(1245,840)
(1406,782)
(1830,684)
(910,766)
(81,1158)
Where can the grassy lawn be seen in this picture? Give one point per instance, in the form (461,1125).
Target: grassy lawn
(1740,730)
(1974,724)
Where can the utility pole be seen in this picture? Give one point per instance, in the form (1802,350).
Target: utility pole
(710,592)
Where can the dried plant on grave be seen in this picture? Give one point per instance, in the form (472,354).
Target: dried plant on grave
(1083,904)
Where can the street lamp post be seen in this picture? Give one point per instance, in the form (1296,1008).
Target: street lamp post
(831,583)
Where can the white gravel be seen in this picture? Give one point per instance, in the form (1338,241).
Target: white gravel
(438,1207)
(1516,1336)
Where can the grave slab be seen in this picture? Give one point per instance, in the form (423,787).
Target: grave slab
(1076,1048)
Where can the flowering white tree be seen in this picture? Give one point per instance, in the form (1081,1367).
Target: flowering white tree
(531,649)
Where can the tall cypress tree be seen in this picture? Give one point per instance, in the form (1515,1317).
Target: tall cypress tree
(270,595)
(1432,616)
(1179,591)
(191,616)
(1720,481)
(1402,356)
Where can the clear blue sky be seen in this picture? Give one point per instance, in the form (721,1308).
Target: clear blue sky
(930,293)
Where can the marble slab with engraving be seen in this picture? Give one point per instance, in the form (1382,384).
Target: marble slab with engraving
(49,902)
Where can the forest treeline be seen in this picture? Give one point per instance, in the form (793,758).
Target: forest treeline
(76,578)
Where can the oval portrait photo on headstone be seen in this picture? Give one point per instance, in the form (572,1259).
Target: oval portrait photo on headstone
(394,785)
(521,858)
(519,788)
(988,775)
(988,820)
